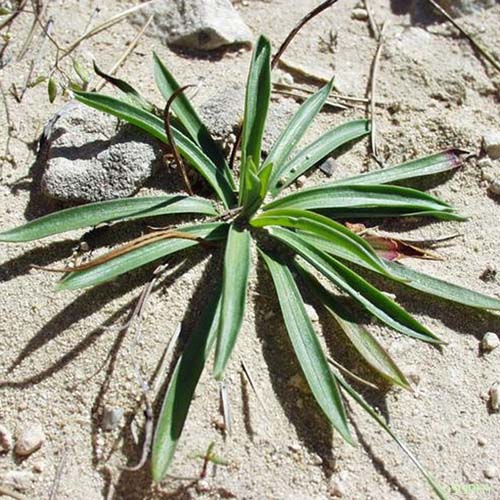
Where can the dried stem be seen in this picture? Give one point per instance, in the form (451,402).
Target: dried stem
(371,21)
(477,45)
(352,375)
(373,90)
(57,478)
(170,137)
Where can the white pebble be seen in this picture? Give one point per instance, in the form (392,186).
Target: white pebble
(338,486)
(300,182)
(490,341)
(494,186)
(491,144)
(285,79)
(495,396)
(29,439)
(490,472)
(359,14)
(112,418)
(311,312)
(5,439)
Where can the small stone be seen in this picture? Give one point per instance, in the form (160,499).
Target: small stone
(196,24)
(412,374)
(490,472)
(311,313)
(285,79)
(111,418)
(300,182)
(20,480)
(495,396)
(490,341)
(202,486)
(29,439)
(327,167)
(294,447)
(489,273)
(494,187)
(338,486)
(491,144)
(38,466)
(359,14)
(481,441)
(5,439)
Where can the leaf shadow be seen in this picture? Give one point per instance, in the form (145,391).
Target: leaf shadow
(312,428)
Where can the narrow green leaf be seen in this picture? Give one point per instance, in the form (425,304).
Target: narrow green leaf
(317,151)
(349,199)
(131,94)
(421,167)
(364,342)
(307,347)
(93,214)
(154,126)
(141,256)
(253,189)
(81,71)
(440,288)
(296,129)
(374,301)
(349,244)
(181,387)
(237,260)
(188,117)
(421,281)
(258,93)
(361,401)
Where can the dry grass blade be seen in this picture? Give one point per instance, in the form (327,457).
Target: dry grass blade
(130,48)
(13,16)
(478,46)
(371,21)
(127,247)
(352,375)
(373,90)
(171,140)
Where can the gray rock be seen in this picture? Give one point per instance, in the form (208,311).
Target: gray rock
(490,341)
(491,144)
(29,439)
(422,10)
(112,418)
(91,157)
(224,111)
(196,24)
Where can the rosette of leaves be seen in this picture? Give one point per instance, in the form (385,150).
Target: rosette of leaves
(312,245)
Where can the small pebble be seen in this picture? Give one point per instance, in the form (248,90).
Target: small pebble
(300,182)
(490,472)
(29,439)
(5,439)
(495,396)
(359,14)
(327,167)
(20,480)
(491,144)
(111,418)
(294,447)
(285,79)
(489,273)
(481,441)
(494,187)
(338,486)
(490,341)
(38,466)
(311,313)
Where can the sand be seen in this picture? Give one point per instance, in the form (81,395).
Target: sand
(63,360)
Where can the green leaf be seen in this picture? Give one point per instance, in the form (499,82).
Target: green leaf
(317,151)
(421,167)
(253,189)
(307,347)
(52,89)
(349,199)
(93,214)
(374,301)
(237,260)
(421,281)
(257,97)
(296,129)
(350,246)
(364,342)
(440,288)
(81,71)
(132,96)
(361,401)
(181,387)
(188,117)
(155,127)
(141,256)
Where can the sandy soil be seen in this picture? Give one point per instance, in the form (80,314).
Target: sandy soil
(63,360)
